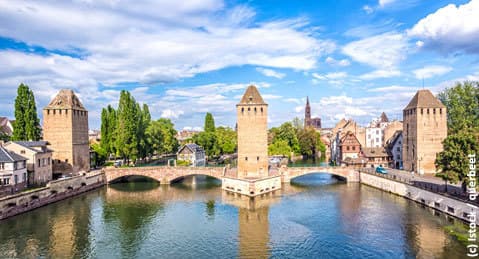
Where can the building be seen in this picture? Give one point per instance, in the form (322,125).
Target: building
(39,166)
(184,136)
(94,136)
(193,153)
(13,170)
(6,127)
(424,129)
(308,121)
(65,127)
(252,114)
(374,137)
(391,129)
(349,147)
(394,147)
(376,156)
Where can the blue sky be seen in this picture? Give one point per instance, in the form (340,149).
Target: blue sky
(354,59)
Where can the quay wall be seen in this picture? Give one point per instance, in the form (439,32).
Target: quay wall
(450,206)
(54,191)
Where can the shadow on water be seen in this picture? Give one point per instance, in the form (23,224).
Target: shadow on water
(316,180)
(197,182)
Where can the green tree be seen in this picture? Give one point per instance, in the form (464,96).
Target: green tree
(127,128)
(145,119)
(226,140)
(101,153)
(453,162)
(209,123)
(289,133)
(279,147)
(208,141)
(161,136)
(462,102)
(27,123)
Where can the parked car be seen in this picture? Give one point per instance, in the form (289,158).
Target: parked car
(117,163)
(381,170)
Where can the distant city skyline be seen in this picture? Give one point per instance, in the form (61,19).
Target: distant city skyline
(354,59)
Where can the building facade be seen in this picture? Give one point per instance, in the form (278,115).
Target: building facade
(308,121)
(39,165)
(13,170)
(374,137)
(424,129)
(192,153)
(252,130)
(65,127)
(349,146)
(394,147)
(376,156)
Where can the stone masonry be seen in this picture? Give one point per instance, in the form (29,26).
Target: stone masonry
(424,129)
(65,127)
(252,114)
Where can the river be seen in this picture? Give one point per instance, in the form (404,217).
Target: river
(316,216)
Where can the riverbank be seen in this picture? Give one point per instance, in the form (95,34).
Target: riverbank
(54,191)
(450,206)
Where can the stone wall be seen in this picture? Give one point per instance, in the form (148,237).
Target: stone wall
(53,192)
(439,202)
(251,187)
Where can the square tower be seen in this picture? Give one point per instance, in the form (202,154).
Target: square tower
(252,114)
(65,127)
(424,129)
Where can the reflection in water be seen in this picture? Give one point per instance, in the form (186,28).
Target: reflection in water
(317,216)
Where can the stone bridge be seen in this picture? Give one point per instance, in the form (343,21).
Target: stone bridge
(163,174)
(166,175)
(346,173)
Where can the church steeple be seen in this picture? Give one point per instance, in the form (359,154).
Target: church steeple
(307,113)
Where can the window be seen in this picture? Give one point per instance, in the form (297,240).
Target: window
(249,109)
(15,177)
(377,139)
(398,149)
(14,165)
(254,109)
(48,112)
(354,148)
(24,164)
(2,166)
(66,160)
(242,109)
(427,111)
(60,112)
(22,152)
(246,158)
(66,112)
(434,111)
(422,110)
(257,158)
(38,162)
(440,110)
(398,157)
(48,161)
(261,109)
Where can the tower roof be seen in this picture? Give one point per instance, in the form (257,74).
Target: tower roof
(424,99)
(383,118)
(307,100)
(252,96)
(65,99)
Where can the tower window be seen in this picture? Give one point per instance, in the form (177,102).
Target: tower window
(261,109)
(254,109)
(428,111)
(434,111)
(66,112)
(53,112)
(257,158)
(246,158)
(422,110)
(249,109)
(242,110)
(440,111)
(48,112)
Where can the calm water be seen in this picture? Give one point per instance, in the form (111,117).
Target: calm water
(315,217)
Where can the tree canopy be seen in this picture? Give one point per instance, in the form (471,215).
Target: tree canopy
(462,103)
(27,123)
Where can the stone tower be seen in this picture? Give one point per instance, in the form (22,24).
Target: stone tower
(252,114)
(307,113)
(424,129)
(65,127)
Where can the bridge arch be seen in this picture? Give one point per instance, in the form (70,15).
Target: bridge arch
(177,178)
(337,175)
(117,178)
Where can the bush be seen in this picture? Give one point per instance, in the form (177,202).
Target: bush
(183,163)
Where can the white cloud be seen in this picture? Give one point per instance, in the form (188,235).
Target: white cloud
(342,62)
(383,3)
(450,29)
(384,51)
(368,9)
(392,88)
(380,73)
(137,43)
(270,72)
(431,71)
(333,75)
(170,114)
